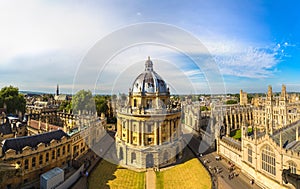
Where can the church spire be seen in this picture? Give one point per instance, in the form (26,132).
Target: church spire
(57,90)
(148,65)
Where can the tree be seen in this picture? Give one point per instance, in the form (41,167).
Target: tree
(47,97)
(83,101)
(231,102)
(13,100)
(65,105)
(101,104)
(203,108)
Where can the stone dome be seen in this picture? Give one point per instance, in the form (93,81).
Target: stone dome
(149,81)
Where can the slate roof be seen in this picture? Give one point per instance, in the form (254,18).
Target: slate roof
(5,129)
(19,143)
(288,137)
(237,144)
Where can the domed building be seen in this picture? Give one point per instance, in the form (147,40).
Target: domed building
(148,127)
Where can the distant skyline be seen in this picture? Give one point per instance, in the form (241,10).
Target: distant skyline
(254,43)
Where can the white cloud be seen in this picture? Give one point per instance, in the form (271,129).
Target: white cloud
(35,27)
(40,40)
(244,59)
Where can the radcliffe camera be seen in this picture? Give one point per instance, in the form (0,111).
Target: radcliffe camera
(149,95)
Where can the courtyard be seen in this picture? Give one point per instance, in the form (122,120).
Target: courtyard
(186,174)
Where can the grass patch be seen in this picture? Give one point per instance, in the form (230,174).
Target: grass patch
(159,180)
(236,134)
(108,175)
(190,174)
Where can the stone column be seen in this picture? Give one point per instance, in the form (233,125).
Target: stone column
(119,128)
(160,133)
(138,131)
(155,133)
(239,117)
(231,123)
(170,131)
(227,126)
(143,133)
(167,131)
(177,123)
(127,131)
(130,132)
(235,121)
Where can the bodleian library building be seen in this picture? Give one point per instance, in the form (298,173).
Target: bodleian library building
(148,127)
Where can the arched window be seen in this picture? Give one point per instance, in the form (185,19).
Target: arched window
(134,103)
(249,154)
(41,159)
(26,164)
(293,167)
(133,157)
(58,151)
(268,160)
(47,156)
(33,162)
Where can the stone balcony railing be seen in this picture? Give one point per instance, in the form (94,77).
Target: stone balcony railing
(148,111)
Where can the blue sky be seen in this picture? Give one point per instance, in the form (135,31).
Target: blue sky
(253,43)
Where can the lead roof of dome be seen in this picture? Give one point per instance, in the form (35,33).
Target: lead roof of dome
(149,81)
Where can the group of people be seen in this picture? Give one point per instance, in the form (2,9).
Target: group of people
(232,175)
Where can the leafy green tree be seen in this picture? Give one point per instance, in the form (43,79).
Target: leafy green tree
(101,104)
(14,101)
(47,97)
(231,102)
(83,101)
(203,108)
(65,105)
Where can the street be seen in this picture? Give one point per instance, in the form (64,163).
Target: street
(239,180)
(226,179)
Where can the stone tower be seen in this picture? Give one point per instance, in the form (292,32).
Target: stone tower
(243,98)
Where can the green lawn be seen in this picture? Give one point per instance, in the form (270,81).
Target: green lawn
(236,134)
(108,175)
(190,174)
